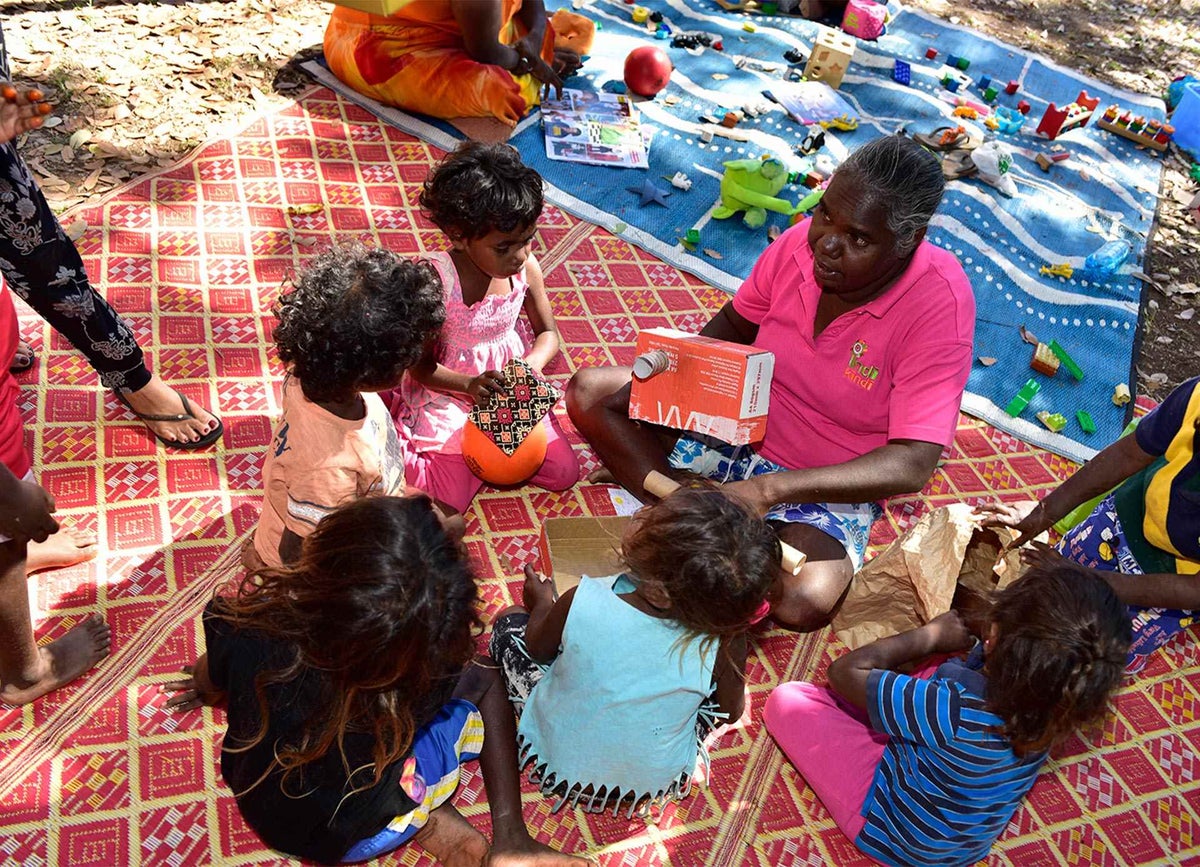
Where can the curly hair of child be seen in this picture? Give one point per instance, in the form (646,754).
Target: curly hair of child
(357,318)
(380,609)
(714,556)
(1060,641)
(479,188)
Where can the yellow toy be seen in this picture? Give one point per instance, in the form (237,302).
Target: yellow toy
(967,112)
(1062,269)
(842,122)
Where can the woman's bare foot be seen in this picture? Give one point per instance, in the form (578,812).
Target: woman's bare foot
(62,661)
(601,476)
(158,398)
(22,358)
(533,854)
(67,547)
(449,838)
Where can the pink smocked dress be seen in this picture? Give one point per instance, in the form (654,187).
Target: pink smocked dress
(481,337)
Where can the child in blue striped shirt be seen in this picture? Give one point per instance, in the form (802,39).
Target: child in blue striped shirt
(930,768)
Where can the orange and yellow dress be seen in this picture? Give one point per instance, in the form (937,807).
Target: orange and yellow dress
(416,59)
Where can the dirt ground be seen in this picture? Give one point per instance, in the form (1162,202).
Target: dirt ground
(140,84)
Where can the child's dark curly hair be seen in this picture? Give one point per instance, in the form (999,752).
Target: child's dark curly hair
(479,188)
(357,318)
(713,555)
(380,611)
(1060,647)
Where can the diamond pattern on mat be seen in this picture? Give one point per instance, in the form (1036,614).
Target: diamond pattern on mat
(222,241)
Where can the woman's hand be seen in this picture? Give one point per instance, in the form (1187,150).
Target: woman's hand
(532,64)
(192,692)
(1027,524)
(20,111)
(566,62)
(483,387)
(751,491)
(538,590)
(1039,555)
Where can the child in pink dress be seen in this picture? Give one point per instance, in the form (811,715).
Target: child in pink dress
(487,202)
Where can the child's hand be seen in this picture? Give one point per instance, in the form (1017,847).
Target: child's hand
(189,694)
(949,633)
(20,112)
(1027,525)
(28,512)
(483,387)
(538,590)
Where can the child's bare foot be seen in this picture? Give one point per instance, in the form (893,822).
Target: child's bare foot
(156,398)
(602,476)
(62,661)
(449,838)
(67,547)
(533,854)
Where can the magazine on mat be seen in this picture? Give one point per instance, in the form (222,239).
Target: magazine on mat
(811,102)
(596,128)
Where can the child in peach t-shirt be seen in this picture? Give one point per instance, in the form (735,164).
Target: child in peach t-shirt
(357,319)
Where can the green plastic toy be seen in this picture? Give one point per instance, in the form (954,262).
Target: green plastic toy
(751,186)
(1085,421)
(1021,399)
(1067,361)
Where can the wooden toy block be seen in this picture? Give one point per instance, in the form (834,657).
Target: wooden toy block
(1057,121)
(930,53)
(952,60)
(1151,133)
(950,83)
(990,94)
(1011,87)
(730,120)
(830,58)
(985,81)
(1044,360)
(963,63)
(1023,107)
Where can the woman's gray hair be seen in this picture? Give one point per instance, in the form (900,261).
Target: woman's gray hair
(902,178)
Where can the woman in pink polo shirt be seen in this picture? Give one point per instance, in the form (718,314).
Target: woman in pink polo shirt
(872,328)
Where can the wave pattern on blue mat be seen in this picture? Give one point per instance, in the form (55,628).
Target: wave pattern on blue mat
(1107,184)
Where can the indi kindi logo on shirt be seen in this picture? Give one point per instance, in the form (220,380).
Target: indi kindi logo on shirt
(858,371)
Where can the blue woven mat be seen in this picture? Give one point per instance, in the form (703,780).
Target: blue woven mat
(1107,184)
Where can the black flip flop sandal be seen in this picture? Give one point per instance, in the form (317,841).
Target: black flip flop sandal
(187,415)
(958,164)
(22,358)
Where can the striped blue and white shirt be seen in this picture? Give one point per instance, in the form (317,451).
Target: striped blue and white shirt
(949,781)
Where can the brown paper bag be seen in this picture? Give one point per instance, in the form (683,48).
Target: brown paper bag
(915,578)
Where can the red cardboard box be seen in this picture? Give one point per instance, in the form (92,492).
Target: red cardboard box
(703,385)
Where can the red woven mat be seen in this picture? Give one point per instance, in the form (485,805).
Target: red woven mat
(99,774)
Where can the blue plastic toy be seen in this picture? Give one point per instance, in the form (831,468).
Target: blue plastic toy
(1008,120)
(902,73)
(1108,258)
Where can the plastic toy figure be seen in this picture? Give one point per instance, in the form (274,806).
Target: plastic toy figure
(751,186)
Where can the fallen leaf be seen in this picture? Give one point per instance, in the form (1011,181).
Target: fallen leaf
(1186,314)
(306,241)
(75,229)
(986,360)
(79,138)
(712,254)
(305,209)
(1028,337)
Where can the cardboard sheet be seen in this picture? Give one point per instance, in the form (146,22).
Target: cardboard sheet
(573,547)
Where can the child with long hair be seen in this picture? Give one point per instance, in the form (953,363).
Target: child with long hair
(487,202)
(929,770)
(357,318)
(639,655)
(352,696)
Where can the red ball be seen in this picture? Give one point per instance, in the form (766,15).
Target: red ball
(647,70)
(488,461)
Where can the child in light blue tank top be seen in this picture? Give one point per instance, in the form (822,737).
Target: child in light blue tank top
(612,678)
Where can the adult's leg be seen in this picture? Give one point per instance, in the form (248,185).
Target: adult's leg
(512,846)
(830,744)
(27,671)
(598,403)
(807,600)
(42,266)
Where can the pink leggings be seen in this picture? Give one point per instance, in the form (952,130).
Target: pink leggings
(447,477)
(832,746)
